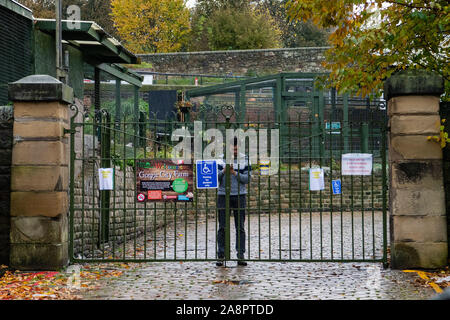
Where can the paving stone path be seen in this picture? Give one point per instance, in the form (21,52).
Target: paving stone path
(265,280)
(262,281)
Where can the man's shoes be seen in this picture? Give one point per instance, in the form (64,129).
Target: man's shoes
(241,261)
(219,262)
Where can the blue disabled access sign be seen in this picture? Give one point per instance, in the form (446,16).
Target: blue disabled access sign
(207,174)
(337,186)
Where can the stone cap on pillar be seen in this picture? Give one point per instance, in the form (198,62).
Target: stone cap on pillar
(413,82)
(40,88)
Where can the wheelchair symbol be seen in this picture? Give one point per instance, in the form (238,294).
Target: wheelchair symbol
(206,169)
(336,186)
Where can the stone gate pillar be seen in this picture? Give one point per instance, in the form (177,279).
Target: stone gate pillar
(39,173)
(417,198)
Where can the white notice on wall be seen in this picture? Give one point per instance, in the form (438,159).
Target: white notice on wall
(105,181)
(316,179)
(357,164)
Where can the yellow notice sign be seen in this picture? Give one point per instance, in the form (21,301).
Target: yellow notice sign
(105,181)
(316,179)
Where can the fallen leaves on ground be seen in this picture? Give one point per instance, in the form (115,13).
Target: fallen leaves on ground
(441,277)
(439,280)
(231,282)
(17,285)
(35,286)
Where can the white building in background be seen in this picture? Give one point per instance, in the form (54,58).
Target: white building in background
(148,79)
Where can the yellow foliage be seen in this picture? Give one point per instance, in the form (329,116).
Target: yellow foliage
(149,26)
(373,38)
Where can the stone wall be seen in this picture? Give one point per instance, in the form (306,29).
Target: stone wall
(6,133)
(290,193)
(239,62)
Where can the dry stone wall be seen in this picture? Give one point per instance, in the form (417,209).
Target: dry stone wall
(239,62)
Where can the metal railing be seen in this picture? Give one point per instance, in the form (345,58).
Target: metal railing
(284,219)
(189,78)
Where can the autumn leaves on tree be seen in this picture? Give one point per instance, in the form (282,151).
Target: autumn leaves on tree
(151,26)
(148,26)
(167,25)
(374,38)
(232,25)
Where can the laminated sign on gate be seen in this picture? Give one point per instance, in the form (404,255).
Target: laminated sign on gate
(105,178)
(207,174)
(316,179)
(337,186)
(356,164)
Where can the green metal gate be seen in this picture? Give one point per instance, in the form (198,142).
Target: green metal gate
(284,219)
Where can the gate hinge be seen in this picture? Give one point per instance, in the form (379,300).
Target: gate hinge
(66,131)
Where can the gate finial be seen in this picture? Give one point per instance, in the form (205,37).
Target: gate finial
(227,108)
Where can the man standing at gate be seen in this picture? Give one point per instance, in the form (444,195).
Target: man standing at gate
(240,172)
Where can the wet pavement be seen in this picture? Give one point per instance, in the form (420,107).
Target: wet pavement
(298,237)
(261,281)
(271,237)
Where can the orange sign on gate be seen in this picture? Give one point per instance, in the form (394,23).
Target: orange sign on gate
(154,195)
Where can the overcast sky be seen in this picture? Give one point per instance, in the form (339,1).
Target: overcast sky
(190,3)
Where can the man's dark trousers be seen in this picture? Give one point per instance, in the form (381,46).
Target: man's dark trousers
(239,220)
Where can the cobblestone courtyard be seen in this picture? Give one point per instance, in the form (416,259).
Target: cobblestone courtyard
(262,281)
(265,280)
